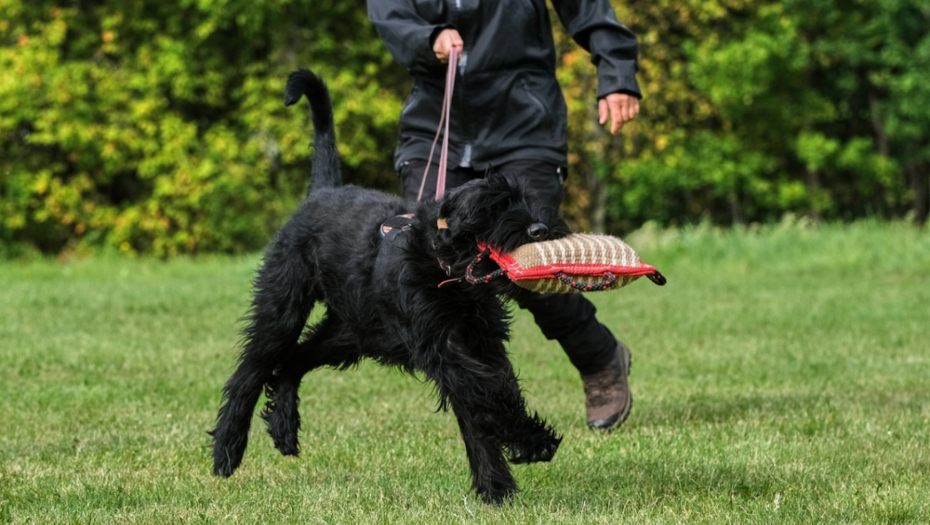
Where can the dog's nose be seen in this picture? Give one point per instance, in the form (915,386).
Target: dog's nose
(538,231)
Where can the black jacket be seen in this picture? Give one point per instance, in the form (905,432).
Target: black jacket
(507,103)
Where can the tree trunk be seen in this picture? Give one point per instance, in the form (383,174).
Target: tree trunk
(736,210)
(597,201)
(878,127)
(920,183)
(813,184)
(597,174)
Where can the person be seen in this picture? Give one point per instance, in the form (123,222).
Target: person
(508,115)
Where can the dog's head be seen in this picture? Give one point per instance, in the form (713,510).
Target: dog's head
(495,211)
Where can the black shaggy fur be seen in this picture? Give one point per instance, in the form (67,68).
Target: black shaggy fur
(383,301)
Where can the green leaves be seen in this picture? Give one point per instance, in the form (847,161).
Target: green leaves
(754,109)
(158,127)
(152,127)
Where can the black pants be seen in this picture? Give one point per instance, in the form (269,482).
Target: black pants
(567,318)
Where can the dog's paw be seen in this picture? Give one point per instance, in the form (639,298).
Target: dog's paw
(287,446)
(227,452)
(222,470)
(283,432)
(498,493)
(223,464)
(540,448)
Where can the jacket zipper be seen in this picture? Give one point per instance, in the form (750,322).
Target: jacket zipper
(459,91)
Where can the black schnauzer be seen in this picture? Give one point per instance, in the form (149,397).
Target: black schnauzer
(394,298)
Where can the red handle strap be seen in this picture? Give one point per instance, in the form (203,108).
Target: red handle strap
(609,280)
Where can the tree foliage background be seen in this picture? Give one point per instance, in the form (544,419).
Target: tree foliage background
(153,127)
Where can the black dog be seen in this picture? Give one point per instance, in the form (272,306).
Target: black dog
(384,300)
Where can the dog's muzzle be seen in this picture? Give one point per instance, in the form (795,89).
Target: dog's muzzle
(538,231)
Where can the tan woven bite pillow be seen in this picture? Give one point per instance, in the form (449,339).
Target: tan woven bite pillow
(577,263)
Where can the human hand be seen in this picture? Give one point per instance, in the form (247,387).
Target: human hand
(620,107)
(444,43)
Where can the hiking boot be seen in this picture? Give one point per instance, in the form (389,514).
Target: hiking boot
(607,393)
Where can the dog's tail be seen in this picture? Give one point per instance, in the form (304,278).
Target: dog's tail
(325,171)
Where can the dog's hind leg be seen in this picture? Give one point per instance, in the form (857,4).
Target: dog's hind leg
(325,345)
(280,307)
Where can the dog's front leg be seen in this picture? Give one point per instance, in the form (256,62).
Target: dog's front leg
(476,379)
(467,385)
(491,476)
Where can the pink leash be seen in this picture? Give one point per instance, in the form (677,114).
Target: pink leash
(443,126)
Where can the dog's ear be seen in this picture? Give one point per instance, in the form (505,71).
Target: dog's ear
(504,186)
(473,206)
(494,177)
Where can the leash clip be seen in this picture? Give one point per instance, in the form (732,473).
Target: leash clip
(444,266)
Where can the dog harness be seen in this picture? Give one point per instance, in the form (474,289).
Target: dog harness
(397,224)
(393,226)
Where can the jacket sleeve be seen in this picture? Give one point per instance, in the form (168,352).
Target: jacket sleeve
(594,26)
(407,36)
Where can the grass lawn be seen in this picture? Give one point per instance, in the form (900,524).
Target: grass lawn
(782,376)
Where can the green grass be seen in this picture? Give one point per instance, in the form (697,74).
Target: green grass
(780,377)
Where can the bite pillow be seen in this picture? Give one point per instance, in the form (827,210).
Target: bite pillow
(577,263)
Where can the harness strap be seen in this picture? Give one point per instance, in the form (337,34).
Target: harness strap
(396,224)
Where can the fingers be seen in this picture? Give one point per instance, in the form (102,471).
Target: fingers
(444,43)
(621,108)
